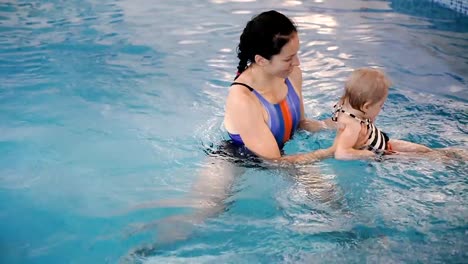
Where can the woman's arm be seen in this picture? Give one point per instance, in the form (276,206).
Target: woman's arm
(316,125)
(245,117)
(307,124)
(306,157)
(310,125)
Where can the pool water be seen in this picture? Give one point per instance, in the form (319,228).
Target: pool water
(106,108)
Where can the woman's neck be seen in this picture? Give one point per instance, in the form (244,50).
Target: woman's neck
(263,82)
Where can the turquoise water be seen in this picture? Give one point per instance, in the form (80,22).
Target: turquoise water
(106,107)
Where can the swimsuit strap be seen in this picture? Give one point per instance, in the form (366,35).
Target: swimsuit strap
(260,97)
(339,109)
(243,84)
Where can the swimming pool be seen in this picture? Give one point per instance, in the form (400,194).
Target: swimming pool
(106,106)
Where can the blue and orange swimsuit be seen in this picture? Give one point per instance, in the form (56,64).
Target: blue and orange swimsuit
(283,117)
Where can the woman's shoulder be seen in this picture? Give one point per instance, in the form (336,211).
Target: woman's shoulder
(241,87)
(239,95)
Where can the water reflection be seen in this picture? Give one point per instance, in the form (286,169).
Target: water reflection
(324,24)
(292,3)
(230,1)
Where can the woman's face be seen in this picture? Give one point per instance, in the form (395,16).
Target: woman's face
(282,64)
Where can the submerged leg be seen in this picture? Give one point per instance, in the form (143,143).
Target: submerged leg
(206,198)
(405,147)
(318,186)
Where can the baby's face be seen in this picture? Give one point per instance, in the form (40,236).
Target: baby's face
(374,109)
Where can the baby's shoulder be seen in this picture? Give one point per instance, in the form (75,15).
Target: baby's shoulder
(348,122)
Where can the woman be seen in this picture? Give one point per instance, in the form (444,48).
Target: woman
(263,110)
(265,106)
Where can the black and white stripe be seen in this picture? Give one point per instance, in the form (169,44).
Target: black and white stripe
(377,141)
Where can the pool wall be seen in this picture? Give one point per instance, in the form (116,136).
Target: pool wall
(461,6)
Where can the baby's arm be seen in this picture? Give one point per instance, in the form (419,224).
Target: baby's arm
(346,139)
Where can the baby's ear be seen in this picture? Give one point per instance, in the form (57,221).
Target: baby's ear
(365,107)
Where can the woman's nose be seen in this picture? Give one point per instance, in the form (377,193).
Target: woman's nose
(296,61)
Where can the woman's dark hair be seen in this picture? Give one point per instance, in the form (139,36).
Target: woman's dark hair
(264,35)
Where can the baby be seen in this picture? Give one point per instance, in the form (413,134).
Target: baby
(366,91)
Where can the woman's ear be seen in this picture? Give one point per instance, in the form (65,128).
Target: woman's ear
(260,60)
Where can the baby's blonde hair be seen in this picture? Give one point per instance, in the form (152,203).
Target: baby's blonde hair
(365,85)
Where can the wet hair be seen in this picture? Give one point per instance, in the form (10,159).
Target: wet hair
(365,85)
(264,35)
